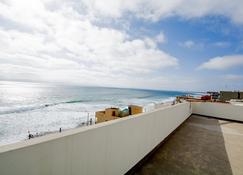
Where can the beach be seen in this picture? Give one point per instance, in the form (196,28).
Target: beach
(44,108)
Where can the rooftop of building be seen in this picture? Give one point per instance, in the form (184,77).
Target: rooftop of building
(201,145)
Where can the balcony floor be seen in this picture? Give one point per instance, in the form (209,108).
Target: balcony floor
(200,145)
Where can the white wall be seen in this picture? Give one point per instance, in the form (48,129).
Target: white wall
(220,110)
(108,148)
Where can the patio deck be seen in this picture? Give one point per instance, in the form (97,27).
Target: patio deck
(201,145)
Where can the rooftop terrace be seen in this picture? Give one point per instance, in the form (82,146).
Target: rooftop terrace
(193,144)
(200,145)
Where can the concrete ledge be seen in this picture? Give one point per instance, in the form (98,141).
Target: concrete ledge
(219,118)
(218,110)
(112,147)
(54,136)
(152,152)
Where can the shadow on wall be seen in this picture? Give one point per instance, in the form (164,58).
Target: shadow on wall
(197,147)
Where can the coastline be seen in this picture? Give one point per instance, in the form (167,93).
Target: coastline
(150,108)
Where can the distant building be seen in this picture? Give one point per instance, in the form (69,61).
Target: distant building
(214,95)
(115,113)
(228,95)
(133,109)
(108,114)
(241,95)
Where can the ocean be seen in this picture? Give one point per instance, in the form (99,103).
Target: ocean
(41,108)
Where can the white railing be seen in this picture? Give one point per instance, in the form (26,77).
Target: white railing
(112,147)
(219,110)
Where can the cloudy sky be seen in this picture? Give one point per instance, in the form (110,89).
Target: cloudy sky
(156,44)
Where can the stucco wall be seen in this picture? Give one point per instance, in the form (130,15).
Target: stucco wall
(220,110)
(108,148)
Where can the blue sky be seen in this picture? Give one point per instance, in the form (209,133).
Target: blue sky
(207,37)
(172,45)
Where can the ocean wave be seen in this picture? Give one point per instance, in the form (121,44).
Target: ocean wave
(36,107)
(76,101)
(147,96)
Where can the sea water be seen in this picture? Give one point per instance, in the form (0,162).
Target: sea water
(40,108)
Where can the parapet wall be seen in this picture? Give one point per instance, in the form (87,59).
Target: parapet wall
(219,110)
(109,148)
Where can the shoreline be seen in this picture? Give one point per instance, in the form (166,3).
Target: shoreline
(146,107)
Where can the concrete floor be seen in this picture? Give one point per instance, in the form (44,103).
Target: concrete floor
(200,146)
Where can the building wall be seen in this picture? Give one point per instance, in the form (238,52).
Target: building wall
(220,110)
(241,95)
(103,116)
(105,119)
(228,95)
(109,112)
(109,148)
(135,109)
(100,114)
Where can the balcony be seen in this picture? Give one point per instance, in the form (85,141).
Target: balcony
(201,145)
(195,141)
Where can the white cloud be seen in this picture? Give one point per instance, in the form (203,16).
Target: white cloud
(221,44)
(188,44)
(233,77)
(160,38)
(41,44)
(222,63)
(61,41)
(157,9)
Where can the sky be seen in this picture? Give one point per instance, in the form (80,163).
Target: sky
(191,45)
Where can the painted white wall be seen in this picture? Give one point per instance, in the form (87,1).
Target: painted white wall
(109,148)
(220,110)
